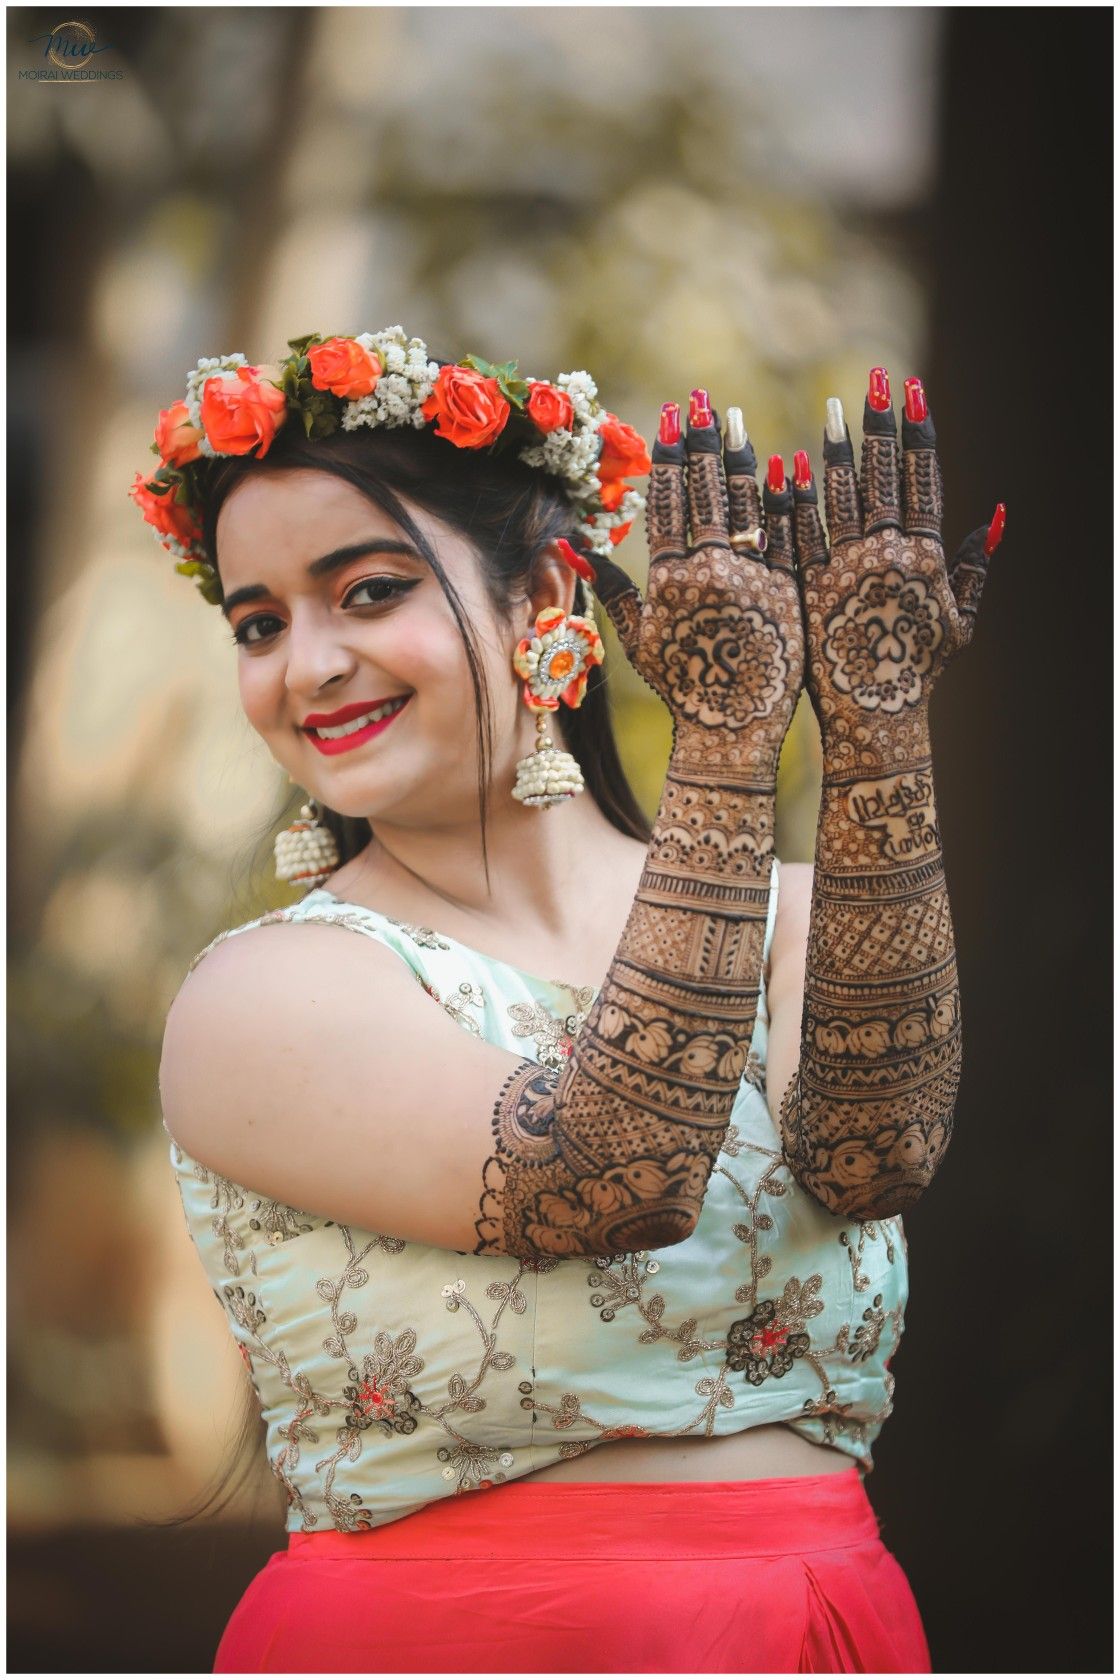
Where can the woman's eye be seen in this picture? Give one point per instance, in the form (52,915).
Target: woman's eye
(243,635)
(379,589)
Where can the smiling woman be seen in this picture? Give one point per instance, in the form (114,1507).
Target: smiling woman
(443,607)
(545,1220)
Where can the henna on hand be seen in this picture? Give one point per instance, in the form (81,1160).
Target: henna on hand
(868,1115)
(615,1152)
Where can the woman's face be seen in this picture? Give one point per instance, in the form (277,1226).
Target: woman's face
(322,632)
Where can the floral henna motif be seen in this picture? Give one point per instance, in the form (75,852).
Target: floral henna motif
(613,1151)
(868,1115)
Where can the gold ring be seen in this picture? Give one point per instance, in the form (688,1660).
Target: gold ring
(754,541)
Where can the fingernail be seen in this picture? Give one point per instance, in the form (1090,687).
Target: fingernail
(916,409)
(995,529)
(802,471)
(776,474)
(576,561)
(699,408)
(735,434)
(669,431)
(879,390)
(835,427)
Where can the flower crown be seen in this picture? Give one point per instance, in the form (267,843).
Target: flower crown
(385,379)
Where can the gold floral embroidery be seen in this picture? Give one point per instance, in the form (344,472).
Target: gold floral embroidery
(423,936)
(553,1037)
(466,996)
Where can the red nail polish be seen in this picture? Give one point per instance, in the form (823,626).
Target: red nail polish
(916,409)
(879,390)
(669,431)
(995,529)
(776,474)
(699,408)
(802,471)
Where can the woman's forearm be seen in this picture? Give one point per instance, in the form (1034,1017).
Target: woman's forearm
(616,1152)
(868,1115)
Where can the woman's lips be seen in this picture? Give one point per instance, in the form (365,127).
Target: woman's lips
(344,743)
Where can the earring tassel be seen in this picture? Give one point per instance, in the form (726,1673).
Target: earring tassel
(549,775)
(306,852)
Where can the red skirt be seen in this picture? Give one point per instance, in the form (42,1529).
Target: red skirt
(787,1576)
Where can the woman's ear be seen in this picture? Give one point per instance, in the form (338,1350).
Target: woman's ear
(552,582)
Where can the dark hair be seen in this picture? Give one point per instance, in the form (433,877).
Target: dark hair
(509,512)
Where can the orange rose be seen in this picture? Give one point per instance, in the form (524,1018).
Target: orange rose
(620,531)
(167,516)
(241,410)
(343,366)
(550,410)
(469,407)
(176,438)
(611,492)
(624,451)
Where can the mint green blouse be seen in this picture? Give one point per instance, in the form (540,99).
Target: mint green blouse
(391,1374)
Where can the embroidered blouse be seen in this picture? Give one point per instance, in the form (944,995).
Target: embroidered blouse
(391,1374)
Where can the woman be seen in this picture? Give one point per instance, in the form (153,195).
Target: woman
(462,1246)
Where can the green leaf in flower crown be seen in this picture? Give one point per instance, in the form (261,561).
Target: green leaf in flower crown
(299,345)
(514,390)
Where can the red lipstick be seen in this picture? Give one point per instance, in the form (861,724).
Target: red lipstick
(332,720)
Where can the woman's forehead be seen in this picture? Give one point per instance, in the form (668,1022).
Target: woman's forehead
(292,517)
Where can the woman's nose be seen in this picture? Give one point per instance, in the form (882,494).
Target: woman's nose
(316,656)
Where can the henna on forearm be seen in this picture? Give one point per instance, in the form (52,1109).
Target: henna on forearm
(615,1153)
(868,1115)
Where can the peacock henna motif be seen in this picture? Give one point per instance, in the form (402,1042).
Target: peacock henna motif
(868,1115)
(614,1152)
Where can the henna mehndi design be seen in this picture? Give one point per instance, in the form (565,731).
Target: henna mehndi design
(868,1115)
(614,1152)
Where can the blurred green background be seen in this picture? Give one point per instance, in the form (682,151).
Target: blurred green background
(732,197)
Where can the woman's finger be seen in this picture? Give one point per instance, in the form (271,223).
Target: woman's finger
(809,545)
(922,495)
(707,490)
(777,509)
(843,509)
(744,504)
(969,570)
(882,502)
(666,516)
(619,594)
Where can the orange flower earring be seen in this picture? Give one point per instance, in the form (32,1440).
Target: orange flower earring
(554,663)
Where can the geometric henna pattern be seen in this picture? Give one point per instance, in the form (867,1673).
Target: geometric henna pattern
(868,1115)
(614,1152)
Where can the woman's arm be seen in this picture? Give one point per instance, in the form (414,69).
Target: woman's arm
(868,1115)
(641,1110)
(280,1074)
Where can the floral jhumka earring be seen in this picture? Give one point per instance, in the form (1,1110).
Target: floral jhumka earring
(554,662)
(306,852)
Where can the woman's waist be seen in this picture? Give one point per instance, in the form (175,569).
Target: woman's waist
(768,1450)
(669,1520)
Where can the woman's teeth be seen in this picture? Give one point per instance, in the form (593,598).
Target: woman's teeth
(363,722)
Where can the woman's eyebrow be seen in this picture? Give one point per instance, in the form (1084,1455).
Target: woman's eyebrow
(332,562)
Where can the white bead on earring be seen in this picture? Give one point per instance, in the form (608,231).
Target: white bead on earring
(306,852)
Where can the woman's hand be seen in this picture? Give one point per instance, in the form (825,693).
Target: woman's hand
(719,634)
(884,613)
